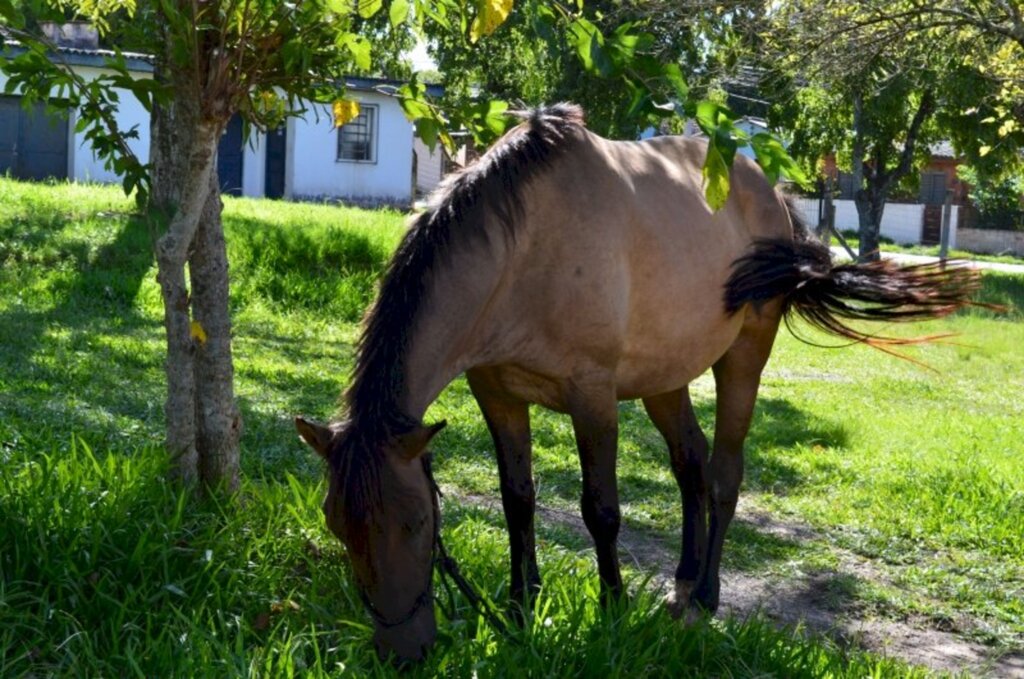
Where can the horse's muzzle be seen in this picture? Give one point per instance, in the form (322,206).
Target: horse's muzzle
(410,641)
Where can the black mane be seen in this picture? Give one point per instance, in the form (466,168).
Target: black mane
(492,186)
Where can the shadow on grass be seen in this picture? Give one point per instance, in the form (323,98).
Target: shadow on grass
(92,362)
(63,370)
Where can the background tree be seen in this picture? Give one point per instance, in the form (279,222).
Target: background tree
(856,92)
(876,81)
(533,64)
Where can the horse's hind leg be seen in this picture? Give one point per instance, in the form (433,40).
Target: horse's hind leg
(672,413)
(737,377)
(508,420)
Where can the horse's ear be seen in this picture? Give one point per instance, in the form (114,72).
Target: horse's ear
(412,443)
(315,435)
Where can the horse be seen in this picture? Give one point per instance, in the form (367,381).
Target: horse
(574,272)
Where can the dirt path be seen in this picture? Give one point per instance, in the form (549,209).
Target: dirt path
(806,598)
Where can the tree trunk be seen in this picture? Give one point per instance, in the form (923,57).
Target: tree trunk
(203,422)
(219,423)
(863,198)
(870,203)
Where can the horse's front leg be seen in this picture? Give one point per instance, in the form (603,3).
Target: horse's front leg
(508,420)
(594,413)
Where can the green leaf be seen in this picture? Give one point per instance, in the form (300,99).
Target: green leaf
(367,8)
(674,75)
(544,22)
(398,12)
(427,129)
(716,177)
(412,98)
(589,44)
(360,48)
(494,118)
(9,14)
(774,160)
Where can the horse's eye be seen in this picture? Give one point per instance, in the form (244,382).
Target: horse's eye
(417,524)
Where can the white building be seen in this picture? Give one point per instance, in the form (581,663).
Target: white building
(367,161)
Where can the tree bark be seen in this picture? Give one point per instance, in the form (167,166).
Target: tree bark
(219,422)
(171,254)
(870,206)
(203,422)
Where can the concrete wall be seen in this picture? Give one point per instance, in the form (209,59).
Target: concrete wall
(86,166)
(991,241)
(254,166)
(316,172)
(901,221)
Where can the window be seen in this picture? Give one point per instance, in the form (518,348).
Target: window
(357,139)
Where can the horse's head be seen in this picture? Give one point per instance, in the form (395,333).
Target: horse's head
(380,503)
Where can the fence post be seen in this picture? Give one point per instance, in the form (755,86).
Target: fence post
(947,212)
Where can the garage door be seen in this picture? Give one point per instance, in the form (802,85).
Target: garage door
(33,143)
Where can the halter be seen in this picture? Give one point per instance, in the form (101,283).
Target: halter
(446,568)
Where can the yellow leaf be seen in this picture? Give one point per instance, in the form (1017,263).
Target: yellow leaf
(196,332)
(490,14)
(344,111)
(983,151)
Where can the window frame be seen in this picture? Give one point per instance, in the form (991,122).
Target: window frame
(373,136)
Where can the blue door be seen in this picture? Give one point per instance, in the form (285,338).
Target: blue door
(33,142)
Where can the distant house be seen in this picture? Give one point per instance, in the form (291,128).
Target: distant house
(367,161)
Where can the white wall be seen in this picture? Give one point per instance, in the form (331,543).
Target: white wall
(429,166)
(901,222)
(86,166)
(83,165)
(315,170)
(254,166)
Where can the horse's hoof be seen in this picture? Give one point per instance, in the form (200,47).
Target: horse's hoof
(678,601)
(705,598)
(694,615)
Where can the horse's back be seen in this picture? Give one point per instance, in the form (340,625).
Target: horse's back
(623,266)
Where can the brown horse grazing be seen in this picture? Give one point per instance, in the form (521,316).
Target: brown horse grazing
(575,272)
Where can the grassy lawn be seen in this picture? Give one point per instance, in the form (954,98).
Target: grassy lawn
(106,570)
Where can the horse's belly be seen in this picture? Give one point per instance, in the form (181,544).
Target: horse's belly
(666,359)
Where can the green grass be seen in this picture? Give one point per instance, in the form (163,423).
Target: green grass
(106,570)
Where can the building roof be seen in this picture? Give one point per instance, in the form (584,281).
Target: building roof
(143,63)
(943,149)
(96,58)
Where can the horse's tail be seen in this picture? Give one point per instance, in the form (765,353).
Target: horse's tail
(829,295)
